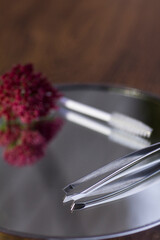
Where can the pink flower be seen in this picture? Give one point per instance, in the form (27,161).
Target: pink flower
(26,99)
(26,95)
(10,134)
(28,152)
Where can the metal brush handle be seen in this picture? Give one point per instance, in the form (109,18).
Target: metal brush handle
(117,120)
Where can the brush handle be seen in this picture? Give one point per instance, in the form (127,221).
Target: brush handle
(85,109)
(116,120)
(115,135)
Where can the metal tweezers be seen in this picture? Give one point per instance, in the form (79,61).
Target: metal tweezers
(115,180)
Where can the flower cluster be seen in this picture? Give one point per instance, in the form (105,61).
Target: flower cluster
(26,100)
(26,95)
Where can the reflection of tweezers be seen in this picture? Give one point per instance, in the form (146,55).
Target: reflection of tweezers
(121,137)
(117,172)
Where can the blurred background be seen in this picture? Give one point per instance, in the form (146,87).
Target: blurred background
(87,41)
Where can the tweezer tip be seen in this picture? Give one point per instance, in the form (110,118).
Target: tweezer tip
(77,206)
(68,188)
(67,199)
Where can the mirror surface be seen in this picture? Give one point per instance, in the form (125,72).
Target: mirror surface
(31,197)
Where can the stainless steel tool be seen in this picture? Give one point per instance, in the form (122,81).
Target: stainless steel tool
(147,165)
(117,120)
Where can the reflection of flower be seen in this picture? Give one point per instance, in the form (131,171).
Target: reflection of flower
(27,145)
(26,100)
(28,151)
(26,95)
(9,134)
(49,129)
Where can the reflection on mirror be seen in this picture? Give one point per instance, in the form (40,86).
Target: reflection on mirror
(119,136)
(31,202)
(25,144)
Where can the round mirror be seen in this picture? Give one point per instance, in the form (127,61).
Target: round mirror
(31,202)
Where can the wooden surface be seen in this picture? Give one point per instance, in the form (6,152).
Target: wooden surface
(86,41)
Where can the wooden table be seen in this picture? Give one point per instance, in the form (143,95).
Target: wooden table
(87,41)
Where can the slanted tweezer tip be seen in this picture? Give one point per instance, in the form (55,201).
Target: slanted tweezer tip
(68,188)
(64,199)
(67,199)
(77,206)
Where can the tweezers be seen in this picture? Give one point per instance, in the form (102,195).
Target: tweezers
(113,171)
(133,182)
